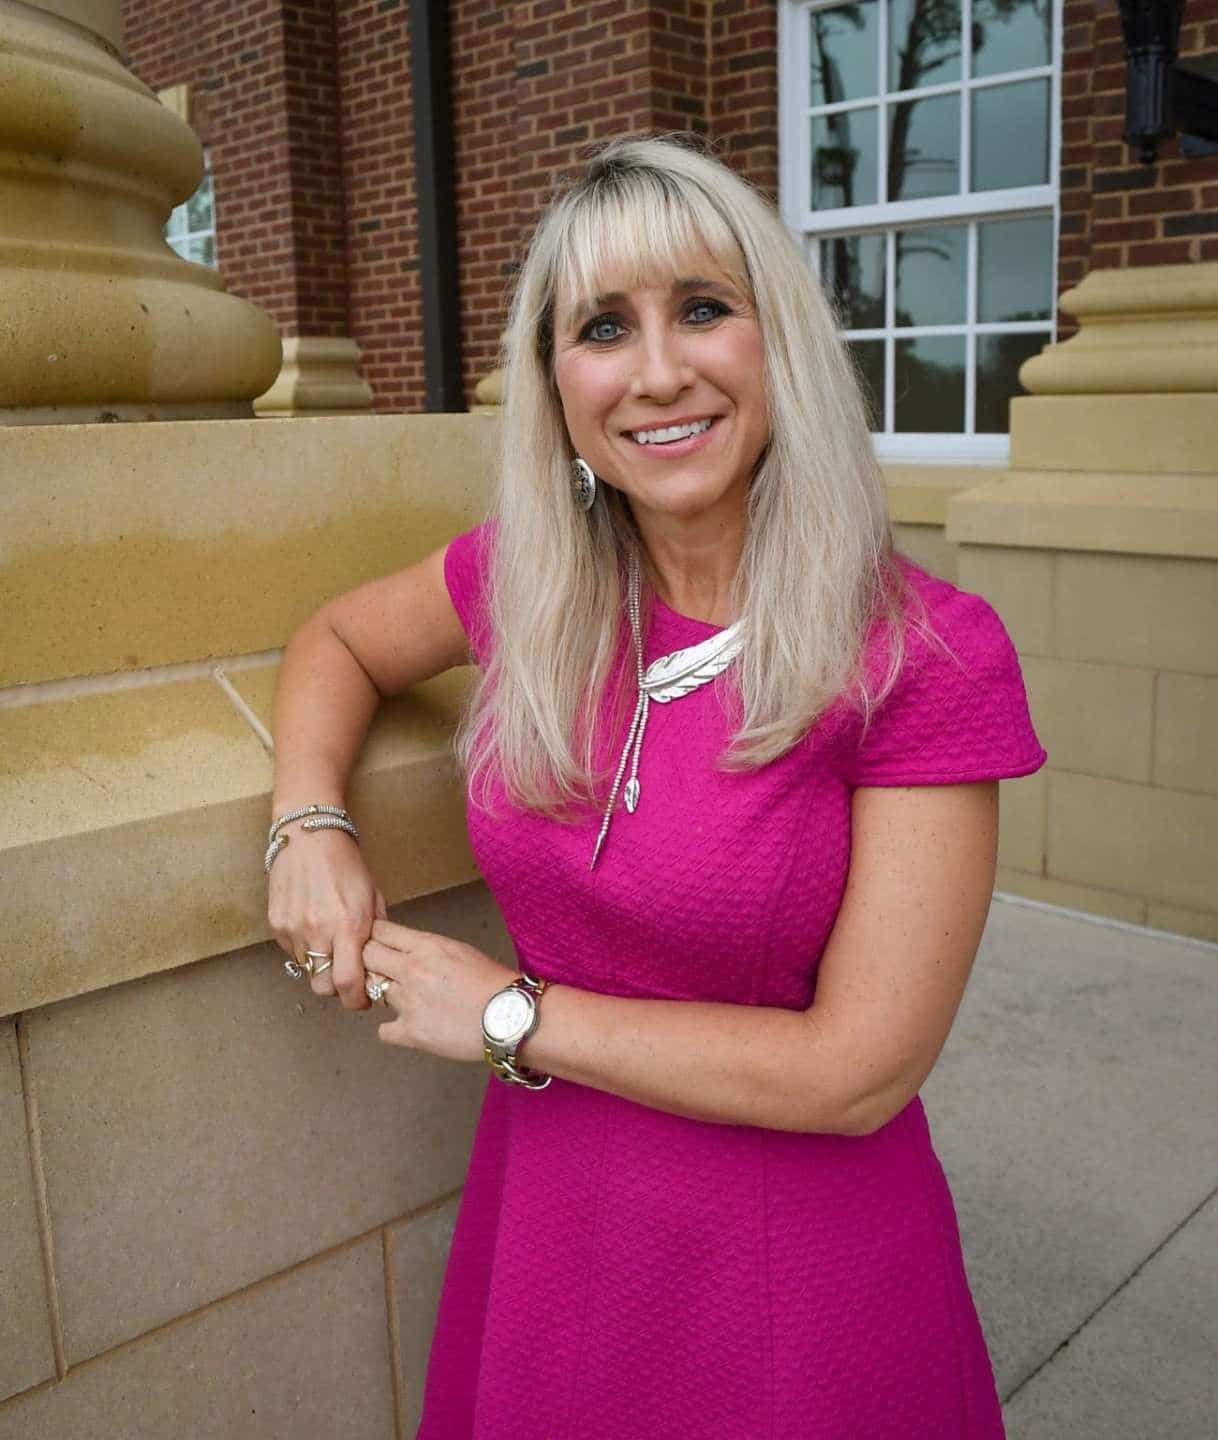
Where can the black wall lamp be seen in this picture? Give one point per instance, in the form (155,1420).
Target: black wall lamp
(1162,97)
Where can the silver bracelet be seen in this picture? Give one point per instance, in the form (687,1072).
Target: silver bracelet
(316,821)
(277,825)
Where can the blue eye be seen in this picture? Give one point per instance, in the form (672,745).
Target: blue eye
(599,329)
(701,312)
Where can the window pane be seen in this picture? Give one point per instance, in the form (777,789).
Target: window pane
(207,250)
(1010,35)
(844,168)
(923,43)
(998,360)
(1011,135)
(845,53)
(176,224)
(852,271)
(924,148)
(868,357)
(929,383)
(199,209)
(1015,269)
(930,279)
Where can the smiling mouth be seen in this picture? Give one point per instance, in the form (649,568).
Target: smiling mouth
(670,434)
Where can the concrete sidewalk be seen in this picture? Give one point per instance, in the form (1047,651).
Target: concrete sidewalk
(1075,1108)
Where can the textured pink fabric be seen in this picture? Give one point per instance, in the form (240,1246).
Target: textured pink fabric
(680,1277)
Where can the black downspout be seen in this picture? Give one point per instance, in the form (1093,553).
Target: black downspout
(431,100)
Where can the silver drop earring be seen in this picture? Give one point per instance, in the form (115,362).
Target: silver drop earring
(583,483)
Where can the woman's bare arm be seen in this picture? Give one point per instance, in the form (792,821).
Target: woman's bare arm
(370,643)
(889,984)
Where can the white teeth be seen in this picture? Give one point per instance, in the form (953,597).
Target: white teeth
(672,432)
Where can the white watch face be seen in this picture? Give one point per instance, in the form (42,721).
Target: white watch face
(507,1014)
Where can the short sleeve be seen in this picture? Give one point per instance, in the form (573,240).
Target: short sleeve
(466,569)
(951,718)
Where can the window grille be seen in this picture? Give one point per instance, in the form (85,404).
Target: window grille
(918,153)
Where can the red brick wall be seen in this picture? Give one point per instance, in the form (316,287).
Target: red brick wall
(239,113)
(160,40)
(265,104)
(487,165)
(537,84)
(1115,211)
(318,220)
(744,88)
(315,200)
(378,167)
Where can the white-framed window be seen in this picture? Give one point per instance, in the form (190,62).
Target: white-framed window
(918,149)
(191,227)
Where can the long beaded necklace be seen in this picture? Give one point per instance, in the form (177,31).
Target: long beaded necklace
(665,679)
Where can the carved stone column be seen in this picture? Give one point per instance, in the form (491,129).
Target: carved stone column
(100,319)
(1148,331)
(320,376)
(1100,548)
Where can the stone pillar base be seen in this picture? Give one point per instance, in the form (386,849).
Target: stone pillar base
(488,393)
(99,316)
(318,377)
(1147,330)
(1099,548)
(109,412)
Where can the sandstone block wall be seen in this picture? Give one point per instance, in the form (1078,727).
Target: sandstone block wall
(227,1206)
(1120,657)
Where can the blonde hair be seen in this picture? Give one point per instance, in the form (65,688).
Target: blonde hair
(817,565)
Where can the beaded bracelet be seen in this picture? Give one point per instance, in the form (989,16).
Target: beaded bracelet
(321,817)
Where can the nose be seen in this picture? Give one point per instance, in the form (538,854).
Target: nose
(662,370)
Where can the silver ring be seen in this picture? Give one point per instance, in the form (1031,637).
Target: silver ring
(294,969)
(376,985)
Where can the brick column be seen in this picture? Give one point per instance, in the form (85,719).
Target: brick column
(744,87)
(553,77)
(265,101)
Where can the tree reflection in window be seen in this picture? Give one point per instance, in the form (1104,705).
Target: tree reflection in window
(941,276)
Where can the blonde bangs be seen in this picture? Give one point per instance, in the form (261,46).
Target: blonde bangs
(636,229)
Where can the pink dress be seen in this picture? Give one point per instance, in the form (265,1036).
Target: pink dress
(620,1271)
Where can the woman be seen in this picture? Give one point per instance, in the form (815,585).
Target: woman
(745,882)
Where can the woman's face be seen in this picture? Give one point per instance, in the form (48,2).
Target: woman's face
(663,391)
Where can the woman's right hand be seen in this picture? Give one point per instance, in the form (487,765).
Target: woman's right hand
(321,896)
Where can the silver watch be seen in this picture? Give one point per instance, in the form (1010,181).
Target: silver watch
(510,1017)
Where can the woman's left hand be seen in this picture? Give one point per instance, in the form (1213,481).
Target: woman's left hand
(439,991)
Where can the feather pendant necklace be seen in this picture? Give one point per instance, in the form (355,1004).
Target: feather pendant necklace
(665,679)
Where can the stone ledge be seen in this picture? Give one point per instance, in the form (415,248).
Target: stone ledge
(1138,434)
(130,547)
(1133,514)
(919,494)
(137,823)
